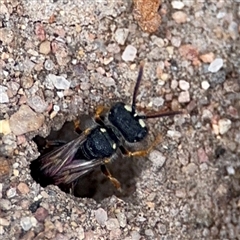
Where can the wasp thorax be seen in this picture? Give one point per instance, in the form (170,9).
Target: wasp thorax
(127,122)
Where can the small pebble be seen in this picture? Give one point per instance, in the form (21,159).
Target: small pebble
(26,82)
(112,224)
(184,85)
(207,58)
(190,169)
(101,216)
(121,219)
(158,101)
(59,82)
(181,193)
(37,104)
(176,41)
(205,85)
(48,65)
(224,125)
(184,97)
(202,156)
(173,134)
(23,188)
(157,41)
(129,53)
(177,5)
(233,30)
(135,235)
(107,81)
(162,228)
(4,127)
(25,120)
(157,158)
(26,223)
(3,94)
(5,204)
(45,47)
(230,170)
(41,214)
(216,65)
(179,17)
(4,222)
(121,35)
(174,84)
(149,232)
(11,192)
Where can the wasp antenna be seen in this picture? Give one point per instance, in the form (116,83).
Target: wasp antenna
(162,114)
(139,78)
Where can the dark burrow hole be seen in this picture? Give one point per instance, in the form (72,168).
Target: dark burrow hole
(94,184)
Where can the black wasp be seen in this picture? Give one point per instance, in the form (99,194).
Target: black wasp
(96,146)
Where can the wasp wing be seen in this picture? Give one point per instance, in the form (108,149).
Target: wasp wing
(59,167)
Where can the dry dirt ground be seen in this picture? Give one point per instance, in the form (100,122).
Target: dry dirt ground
(60,59)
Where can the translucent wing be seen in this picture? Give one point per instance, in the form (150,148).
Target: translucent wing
(59,167)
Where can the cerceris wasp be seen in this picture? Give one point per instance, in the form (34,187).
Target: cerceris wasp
(97,145)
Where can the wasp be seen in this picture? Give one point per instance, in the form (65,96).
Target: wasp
(115,127)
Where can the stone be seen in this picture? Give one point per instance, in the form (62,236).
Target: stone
(184,85)
(3,95)
(59,82)
(101,216)
(179,17)
(157,158)
(129,53)
(26,223)
(45,47)
(25,120)
(23,188)
(37,104)
(184,97)
(224,125)
(112,224)
(177,5)
(205,85)
(121,35)
(216,65)
(5,127)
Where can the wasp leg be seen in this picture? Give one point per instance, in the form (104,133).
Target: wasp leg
(77,126)
(99,112)
(114,181)
(141,153)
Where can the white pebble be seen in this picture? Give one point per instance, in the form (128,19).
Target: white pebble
(121,35)
(205,85)
(157,158)
(3,95)
(173,134)
(26,223)
(221,15)
(224,125)
(184,85)
(129,53)
(56,108)
(59,82)
(230,170)
(60,94)
(184,97)
(177,4)
(216,65)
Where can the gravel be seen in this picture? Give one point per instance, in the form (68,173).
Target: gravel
(61,59)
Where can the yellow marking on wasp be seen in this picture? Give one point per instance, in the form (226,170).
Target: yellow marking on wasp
(128,108)
(103,130)
(142,123)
